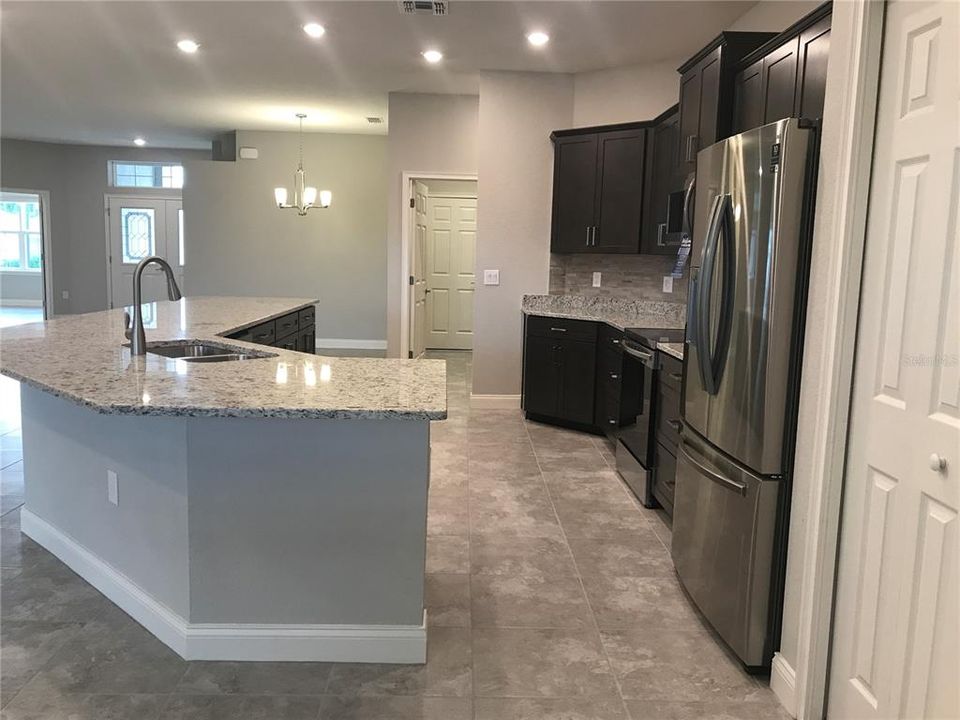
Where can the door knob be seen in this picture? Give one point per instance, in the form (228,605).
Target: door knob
(937,463)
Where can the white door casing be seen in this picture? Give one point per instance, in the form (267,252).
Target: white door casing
(451,252)
(897,619)
(418,296)
(138,227)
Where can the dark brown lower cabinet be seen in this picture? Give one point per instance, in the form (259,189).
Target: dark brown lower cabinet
(289,342)
(559,370)
(294,331)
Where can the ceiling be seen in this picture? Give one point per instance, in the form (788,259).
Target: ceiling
(105,72)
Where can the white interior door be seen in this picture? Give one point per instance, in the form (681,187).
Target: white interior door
(451,252)
(896,631)
(418,296)
(140,227)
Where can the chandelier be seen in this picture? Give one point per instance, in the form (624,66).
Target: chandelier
(304,197)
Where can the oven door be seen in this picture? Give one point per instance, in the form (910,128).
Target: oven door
(635,446)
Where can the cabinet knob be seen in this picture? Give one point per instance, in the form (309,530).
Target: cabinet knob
(937,463)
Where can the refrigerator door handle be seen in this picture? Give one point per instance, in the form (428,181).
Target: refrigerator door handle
(735,485)
(688,204)
(704,293)
(725,321)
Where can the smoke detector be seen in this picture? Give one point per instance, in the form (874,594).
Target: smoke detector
(424,7)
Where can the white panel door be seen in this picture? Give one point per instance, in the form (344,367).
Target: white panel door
(897,623)
(418,297)
(451,252)
(140,227)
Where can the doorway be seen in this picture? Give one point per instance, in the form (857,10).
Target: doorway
(442,227)
(26,273)
(898,578)
(138,227)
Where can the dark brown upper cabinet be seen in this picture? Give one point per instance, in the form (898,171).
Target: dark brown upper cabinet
(663,188)
(706,89)
(785,77)
(598,189)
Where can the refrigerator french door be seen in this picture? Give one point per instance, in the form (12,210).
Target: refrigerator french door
(748,269)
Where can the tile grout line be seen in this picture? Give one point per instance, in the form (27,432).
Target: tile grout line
(583,589)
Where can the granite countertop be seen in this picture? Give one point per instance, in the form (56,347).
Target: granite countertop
(82,358)
(615,312)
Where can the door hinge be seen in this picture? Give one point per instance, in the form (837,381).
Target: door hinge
(108,211)
(413,202)
(412,281)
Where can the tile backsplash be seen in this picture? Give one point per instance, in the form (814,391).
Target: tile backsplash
(633,277)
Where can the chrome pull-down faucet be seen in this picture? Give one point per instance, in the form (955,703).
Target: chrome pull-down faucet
(138,339)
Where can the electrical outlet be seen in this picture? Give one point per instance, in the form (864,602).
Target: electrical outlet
(65,295)
(113,488)
(668,283)
(491,277)
(596,279)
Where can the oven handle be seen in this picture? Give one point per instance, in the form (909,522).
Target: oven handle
(736,486)
(642,356)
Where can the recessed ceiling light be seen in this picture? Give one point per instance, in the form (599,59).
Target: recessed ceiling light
(314,30)
(432,56)
(188,46)
(538,38)
(139,141)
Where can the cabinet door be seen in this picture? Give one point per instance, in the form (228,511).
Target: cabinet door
(660,181)
(748,98)
(578,364)
(307,340)
(574,191)
(780,81)
(541,376)
(290,342)
(619,193)
(690,84)
(708,131)
(812,69)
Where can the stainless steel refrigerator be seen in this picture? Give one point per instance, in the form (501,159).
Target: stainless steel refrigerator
(749,260)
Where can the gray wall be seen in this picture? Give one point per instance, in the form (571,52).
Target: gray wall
(76,178)
(625,94)
(517,113)
(239,243)
(773,15)
(428,133)
(21,286)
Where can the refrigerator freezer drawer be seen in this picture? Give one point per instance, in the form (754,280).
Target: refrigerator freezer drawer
(723,533)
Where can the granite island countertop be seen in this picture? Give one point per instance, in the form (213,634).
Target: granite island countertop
(615,312)
(83,358)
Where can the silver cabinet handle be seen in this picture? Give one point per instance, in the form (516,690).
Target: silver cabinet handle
(735,485)
(661,229)
(614,376)
(588,236)
(594,236)
(691,148)
(556,329)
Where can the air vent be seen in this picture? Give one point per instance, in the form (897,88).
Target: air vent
(374,120)
(423,7)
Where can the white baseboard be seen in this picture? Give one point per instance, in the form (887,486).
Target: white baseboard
(495,402)
(783,682)
(21,302)
(300,643)
(351,344)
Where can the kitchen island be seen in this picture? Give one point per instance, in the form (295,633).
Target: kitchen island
(272,508)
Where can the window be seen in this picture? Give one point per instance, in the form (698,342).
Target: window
(21,233)
(137,234)
(145,175)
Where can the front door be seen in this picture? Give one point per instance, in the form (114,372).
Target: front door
(140,227)
(897,621)
(451,249)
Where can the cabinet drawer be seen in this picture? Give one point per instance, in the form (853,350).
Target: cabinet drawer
(610,339)
(561,328)
(287,325)
(264,334)
(665,478)
(668,416)
(670,371)
(290,342)
(308,317)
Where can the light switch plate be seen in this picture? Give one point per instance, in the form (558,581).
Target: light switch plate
(491,277)
(65,294)
(668,283)
(113,488)
(596,279)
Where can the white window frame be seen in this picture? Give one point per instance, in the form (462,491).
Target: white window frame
(23,240)
(163,167)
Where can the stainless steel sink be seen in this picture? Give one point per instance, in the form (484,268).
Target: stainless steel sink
(195,352)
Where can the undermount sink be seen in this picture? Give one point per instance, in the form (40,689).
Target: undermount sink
(195,352)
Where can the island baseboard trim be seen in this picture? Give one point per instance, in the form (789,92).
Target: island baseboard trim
(495,402)
(350,344)
(198,641)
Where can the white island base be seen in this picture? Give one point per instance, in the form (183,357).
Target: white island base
(239,538)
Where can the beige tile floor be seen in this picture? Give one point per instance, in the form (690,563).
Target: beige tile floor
(550,595)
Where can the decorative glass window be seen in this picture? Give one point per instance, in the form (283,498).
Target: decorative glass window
(21,238)
(180,232)
(146,175)
(137,234)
